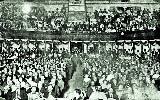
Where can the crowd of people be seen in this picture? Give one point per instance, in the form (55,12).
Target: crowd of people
(14,17)
(35,70)
(120,19)
(110,73)
(116,19)
(117,75)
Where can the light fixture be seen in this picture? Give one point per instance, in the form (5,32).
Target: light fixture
(26,8)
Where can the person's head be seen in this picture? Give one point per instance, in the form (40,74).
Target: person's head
(78,91)
(20,79)
(103,76)
(86,76)
(33,89)
(129,89)
(8,78)
(157,72)
(50,88)
(92,83)
(14,77)
(33,70)
(60,77)
(105,82)
(46,74)
(99,74)
(114,80)
(28,68)
(3,76)
(110,91)
(53,73)
(30,73)
(111,72)
(38,71)
(5,70)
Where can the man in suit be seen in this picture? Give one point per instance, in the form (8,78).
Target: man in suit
(1,98)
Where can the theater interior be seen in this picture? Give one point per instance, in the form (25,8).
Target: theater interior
(79,50)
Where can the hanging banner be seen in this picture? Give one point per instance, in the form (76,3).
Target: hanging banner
(63,46)
(108,46)
(76,5)
(120,45)
(155,46)
(128,46)
(76,2)
(77,10)
(138,48)
(145,47)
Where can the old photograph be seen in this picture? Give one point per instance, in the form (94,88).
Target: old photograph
(79,49)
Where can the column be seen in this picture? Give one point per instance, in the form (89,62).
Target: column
(69,47)
(85,47)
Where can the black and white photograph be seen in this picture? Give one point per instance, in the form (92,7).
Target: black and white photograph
(79,49)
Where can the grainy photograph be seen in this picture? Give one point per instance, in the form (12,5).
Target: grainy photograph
(79,49)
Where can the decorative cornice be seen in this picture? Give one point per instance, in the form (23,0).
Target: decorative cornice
(87,2)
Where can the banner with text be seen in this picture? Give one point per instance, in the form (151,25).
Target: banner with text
(76,5)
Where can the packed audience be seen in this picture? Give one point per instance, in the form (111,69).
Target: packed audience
(116,19)
(14,18)
(122,75)
(35,70)
(120,19)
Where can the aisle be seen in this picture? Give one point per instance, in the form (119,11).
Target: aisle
(77,80)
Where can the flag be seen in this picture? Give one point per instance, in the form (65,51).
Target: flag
(77,5)
(31,46)
(155,46)
(108,46)
(42,46)
(15,45)
(128,46)
(146,46)
(63,46)
(138,48)
(120,45)
(115,46)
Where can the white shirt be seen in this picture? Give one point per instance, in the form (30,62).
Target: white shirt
(23,84)
(87,79)
(109,77)
(155,76)
(98,95)
(33,96)
(50,97)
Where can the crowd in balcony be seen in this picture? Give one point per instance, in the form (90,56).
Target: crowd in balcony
(126,19)
(13,17)
(116,19)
